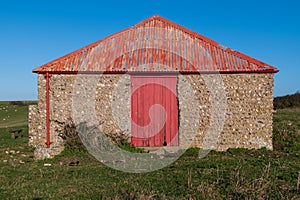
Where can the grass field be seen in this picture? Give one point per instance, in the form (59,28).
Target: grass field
(235,174)
(14,115)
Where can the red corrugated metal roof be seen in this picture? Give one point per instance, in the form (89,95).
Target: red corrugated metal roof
(155,45)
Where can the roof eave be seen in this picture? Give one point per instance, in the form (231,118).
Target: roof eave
(165,72)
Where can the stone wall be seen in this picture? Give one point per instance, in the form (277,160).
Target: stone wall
(105,100)
(248,115)
(249,111)
(65,91)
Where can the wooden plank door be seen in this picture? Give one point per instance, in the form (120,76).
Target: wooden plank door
(154,111)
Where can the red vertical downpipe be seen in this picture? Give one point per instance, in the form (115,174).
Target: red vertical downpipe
(48,143)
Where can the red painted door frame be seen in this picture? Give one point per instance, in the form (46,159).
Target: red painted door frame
(154,111)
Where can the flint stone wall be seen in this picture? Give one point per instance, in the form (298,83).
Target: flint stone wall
(248,114)
(104,100)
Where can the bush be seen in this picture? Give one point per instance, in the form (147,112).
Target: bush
(74,141)
(71,138)
(288,101)
(17,103)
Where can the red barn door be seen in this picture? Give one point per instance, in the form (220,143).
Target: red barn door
(154,111)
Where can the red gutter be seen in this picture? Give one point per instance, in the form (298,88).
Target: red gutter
(48,143)
(165,72)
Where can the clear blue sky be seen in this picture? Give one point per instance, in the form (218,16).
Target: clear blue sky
(35,32)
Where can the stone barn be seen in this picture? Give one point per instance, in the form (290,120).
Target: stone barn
(156,84)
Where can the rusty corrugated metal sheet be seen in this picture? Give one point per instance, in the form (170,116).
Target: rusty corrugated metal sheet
(155,45)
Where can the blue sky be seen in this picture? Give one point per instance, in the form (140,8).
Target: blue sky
(36,32)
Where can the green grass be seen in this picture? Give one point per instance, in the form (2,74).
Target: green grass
(286,125)
(13,115)
(235,174)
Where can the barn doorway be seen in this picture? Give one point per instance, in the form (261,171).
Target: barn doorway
(154,111)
